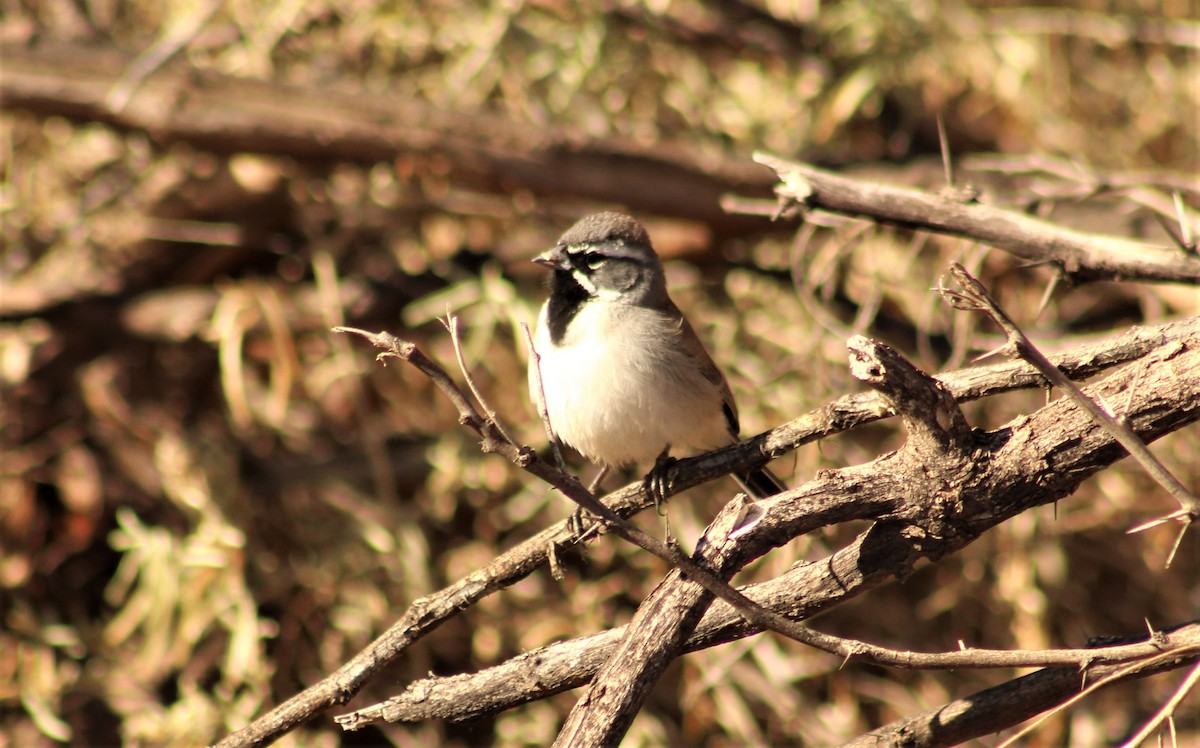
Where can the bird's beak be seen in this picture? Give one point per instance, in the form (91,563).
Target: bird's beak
(553,258)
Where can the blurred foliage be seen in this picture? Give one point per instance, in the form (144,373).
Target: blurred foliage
(208,501)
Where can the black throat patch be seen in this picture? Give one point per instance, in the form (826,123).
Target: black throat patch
(567,297)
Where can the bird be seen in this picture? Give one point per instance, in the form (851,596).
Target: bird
(623,376)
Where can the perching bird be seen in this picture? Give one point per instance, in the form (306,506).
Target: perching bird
(625,378)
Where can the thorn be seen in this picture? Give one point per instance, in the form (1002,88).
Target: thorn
(994,352)
(943,141)
(1177,514)
(1176,239)
(1185,226)
(1178,541)
(1049,292)
(557,571)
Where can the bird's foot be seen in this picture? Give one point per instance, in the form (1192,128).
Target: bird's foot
(656,484)
(582,525)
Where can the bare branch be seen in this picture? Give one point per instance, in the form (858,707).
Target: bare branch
(1007,704)
(1167,710)
(1081,255)
(1118,673)
(494,441)
(653,639)
(451,324)
(230,114)
(975,297)
(938,435)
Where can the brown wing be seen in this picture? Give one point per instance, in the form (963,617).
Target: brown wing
(692,346)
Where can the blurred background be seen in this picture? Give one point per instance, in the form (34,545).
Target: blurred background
(208,501)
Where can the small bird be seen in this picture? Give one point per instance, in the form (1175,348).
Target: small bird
(625,378)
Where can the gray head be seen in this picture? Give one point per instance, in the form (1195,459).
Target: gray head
(606,256)
(600,227)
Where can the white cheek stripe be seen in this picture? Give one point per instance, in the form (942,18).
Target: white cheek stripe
(584,281)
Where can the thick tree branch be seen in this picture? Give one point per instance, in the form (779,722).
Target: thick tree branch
(664,621)
(653,639)
(1081,255)
(912,392)
(1011,703)
(495,440)
(975,297)
(226,114)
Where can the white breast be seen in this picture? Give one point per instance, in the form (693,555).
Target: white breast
(619,389)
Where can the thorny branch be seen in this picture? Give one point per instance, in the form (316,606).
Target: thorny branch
(1046,691)
(975,297)
(1113,675)
(1168,709)
(564,665)
(1082,256)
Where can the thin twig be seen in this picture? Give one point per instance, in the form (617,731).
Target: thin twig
(159,53)
(535,361)
(1113,677)
(998,707)
(1167,710)
(975,297)
(451,324)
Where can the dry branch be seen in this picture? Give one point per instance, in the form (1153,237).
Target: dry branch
(652,640)
(1080,255)
(937,433)
(974,296)
(559,667)
(1010,703)
(1031,462)
(226,114)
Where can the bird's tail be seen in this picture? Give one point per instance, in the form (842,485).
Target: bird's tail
(760,483)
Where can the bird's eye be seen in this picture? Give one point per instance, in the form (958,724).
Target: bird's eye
(594,260)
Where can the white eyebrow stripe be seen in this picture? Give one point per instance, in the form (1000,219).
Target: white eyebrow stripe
(615,248)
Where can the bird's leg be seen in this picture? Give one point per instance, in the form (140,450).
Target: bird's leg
(656,479)
(596,481)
